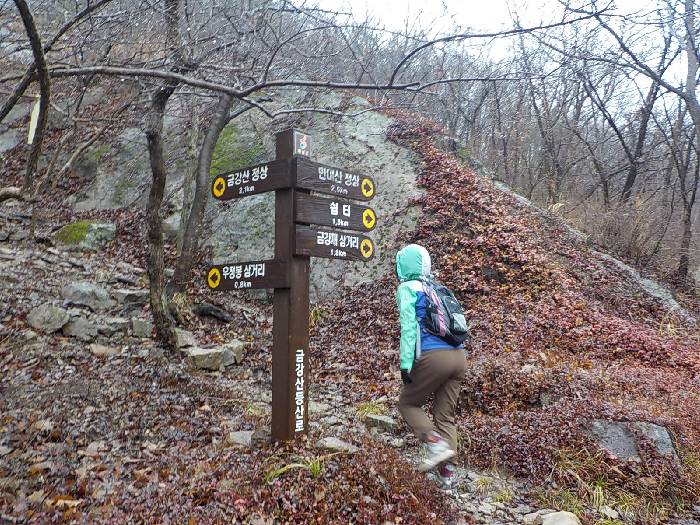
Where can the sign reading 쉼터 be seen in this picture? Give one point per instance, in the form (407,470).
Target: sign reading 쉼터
(333,212)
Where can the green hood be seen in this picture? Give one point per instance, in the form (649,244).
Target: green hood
(412,262)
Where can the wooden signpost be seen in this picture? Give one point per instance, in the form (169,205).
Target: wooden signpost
(293,176)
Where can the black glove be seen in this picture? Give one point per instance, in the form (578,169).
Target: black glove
(405,376)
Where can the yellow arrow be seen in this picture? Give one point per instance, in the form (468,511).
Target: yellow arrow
(366,248)
(367,187)
(214,278)
(218,187)
(368,218)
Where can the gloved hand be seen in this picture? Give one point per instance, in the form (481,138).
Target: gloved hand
(406,376)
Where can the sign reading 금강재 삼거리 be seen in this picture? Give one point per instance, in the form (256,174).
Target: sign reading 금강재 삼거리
(331,244)
(252,180)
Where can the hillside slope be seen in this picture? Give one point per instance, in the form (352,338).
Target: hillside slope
(570,355)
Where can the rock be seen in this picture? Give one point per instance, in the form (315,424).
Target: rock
(125,267)
(261,437)
(240,438)
(113,325)
(615,438)
(336,444)
(658,436)
(131,296)
(486,508)
(560,518)
(204,358)
(102,350)
(316,408)
(234,352)
(86,234)
(184,338)
(381,422)
(87,294)
(397,443)
(608,512)
(99,234)
(48,318)
(618,439)
(171,226)
(4,451)
(80,328)
(535,518)
(331,421)
(141,328)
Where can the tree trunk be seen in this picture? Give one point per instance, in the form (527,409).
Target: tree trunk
(190,238)
(165,327)
(684,261)
(44,89)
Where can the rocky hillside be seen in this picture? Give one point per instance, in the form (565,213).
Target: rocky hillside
(583,393)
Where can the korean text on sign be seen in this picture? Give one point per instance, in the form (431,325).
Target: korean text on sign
(248,175)
(338,176)
(341,240)
(243,271)
(299,391)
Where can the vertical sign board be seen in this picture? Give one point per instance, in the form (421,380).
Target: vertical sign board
(290,331)
(292,176)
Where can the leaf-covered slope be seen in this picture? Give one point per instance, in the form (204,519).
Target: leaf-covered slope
(561,336)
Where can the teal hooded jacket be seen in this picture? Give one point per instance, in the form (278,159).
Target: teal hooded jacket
(412,265)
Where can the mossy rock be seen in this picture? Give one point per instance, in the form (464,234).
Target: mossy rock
(90,235)
(234,151)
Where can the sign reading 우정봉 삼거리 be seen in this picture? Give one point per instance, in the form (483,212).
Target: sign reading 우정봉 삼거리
(333,212)
(251,180)
(247,275)
(333,181)
(292,175)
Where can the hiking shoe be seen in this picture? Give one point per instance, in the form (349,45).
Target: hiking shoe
(447,475)
(437,451)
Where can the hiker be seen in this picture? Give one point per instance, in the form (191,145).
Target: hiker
(429,366)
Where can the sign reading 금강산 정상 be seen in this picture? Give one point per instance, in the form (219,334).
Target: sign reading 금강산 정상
(292,176)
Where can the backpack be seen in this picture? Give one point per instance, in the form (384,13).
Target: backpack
(445,316)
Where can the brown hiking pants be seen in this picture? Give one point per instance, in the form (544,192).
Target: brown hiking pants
(438,372)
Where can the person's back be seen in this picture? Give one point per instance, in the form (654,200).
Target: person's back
(429,365)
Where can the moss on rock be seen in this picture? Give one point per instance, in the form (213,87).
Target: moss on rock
(232,151)
(74,233)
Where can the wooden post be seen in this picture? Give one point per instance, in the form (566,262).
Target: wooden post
(290,351)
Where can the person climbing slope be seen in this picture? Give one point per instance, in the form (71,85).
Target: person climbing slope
(429,364)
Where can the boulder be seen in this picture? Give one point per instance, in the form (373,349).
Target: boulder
(316,408)
(102,350)
(113,325)
(141,328)
(204,358)
(615,438)
(381,422)
(86,234)
(234,352)
(80,328)
(560,518)
(240,438)
(658,436)
(618,438)
(131,296)
(48,318)
(337,445)
(184,339)
(87,294)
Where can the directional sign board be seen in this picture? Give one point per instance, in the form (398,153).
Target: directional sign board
(331,244)
(251,180)
(335,213)
(334,181)
(247,275)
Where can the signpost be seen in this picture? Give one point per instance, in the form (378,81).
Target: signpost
(292,175)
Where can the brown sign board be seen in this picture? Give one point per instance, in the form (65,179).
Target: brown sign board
(334,181)
(333,212)
(321,242)
(252,180)
(247,275)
